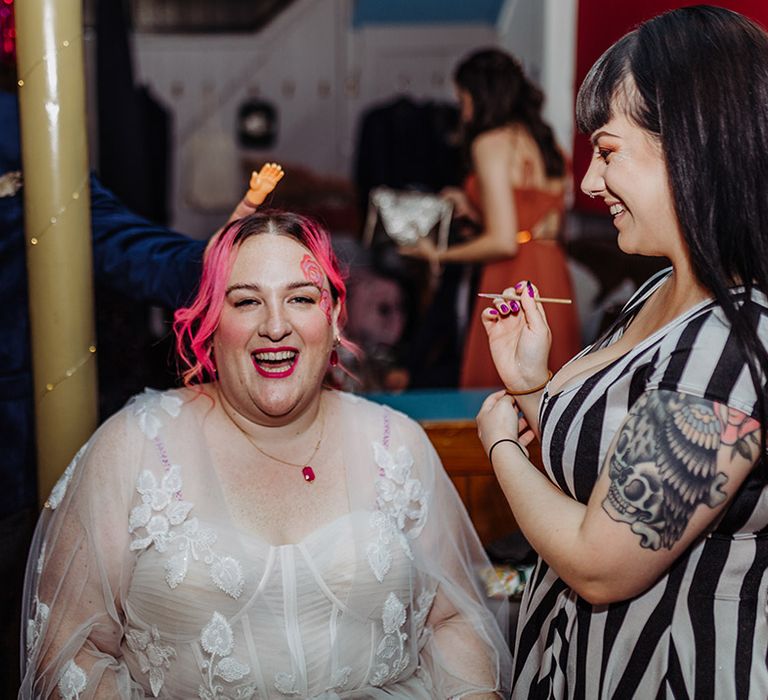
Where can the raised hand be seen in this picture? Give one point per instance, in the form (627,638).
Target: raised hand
(263,182)
(519,338)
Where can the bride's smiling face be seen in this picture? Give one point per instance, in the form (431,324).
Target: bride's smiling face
(276,330)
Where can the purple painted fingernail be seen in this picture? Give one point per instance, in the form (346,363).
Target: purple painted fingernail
(493,312)
(518,286)
(504,309)
(515,307)
(530,289)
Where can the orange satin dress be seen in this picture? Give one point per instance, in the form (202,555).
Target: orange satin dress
(542,262)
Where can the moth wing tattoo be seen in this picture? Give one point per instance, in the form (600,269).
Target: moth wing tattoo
(665,465)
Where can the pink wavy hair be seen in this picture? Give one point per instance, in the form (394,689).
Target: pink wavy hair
(195,324)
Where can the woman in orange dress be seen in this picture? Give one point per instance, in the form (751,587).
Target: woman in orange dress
(515,192)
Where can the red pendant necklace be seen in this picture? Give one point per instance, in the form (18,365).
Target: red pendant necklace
(306,469)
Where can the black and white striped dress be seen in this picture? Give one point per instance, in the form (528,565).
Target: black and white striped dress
(702,630)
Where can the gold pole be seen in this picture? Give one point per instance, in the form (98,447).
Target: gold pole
(58,230)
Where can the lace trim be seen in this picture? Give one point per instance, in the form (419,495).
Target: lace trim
(164,522)
(391,653)
(423,606)
(60,488)
(72,681)
(150,407)
(217,640)
(285,683)
(162,517)
(36,627)
(401,508)
(154,657)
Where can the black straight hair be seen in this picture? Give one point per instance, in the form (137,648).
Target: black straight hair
(696,78)
(501,95)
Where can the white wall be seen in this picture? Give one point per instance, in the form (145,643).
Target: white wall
(294,63)
(559,69)
(521,32)
(542,34)
(321,73)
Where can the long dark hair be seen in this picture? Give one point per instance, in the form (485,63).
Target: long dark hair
(699,83)
(501,95)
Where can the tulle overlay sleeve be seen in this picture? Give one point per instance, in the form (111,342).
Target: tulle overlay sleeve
(142,583)
(461,646)
(78,570)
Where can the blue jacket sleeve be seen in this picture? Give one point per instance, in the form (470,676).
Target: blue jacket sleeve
(142,260)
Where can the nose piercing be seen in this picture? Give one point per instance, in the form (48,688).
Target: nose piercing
(591,195)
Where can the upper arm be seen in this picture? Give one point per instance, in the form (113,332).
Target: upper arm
(675,465)
(144,261)
(81,555)
(465,650)
(492,154)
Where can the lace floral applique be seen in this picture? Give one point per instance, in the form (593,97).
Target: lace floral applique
(40,613)
(401,507)
(217,640)
(163,517)
(60,488)
(72,681)
(36,626)
(340,677)
(391,653)
(149,408)
(153,657)
(286,683)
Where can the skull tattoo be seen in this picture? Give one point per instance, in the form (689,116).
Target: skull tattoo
(665,466)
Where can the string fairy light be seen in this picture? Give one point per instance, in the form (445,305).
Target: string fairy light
(69,373)
(51,55)
(56,217)
(51,92)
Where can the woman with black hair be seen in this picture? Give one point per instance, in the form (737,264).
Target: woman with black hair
(515,193)
(651,517)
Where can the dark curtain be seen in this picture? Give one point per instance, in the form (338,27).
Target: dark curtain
(133,143)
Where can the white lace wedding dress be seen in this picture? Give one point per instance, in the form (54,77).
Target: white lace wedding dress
(141,585)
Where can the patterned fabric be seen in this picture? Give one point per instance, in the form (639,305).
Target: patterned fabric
(701,631)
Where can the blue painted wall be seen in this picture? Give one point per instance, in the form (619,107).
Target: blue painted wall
(367,12)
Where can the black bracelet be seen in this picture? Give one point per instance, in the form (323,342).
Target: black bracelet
(514,442)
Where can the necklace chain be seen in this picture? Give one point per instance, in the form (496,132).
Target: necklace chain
(304,464)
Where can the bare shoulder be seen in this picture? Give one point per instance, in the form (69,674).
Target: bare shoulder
(495,143)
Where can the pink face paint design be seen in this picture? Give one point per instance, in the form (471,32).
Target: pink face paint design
(314,273)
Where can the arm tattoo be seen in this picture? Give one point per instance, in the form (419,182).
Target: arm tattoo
(665,463)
